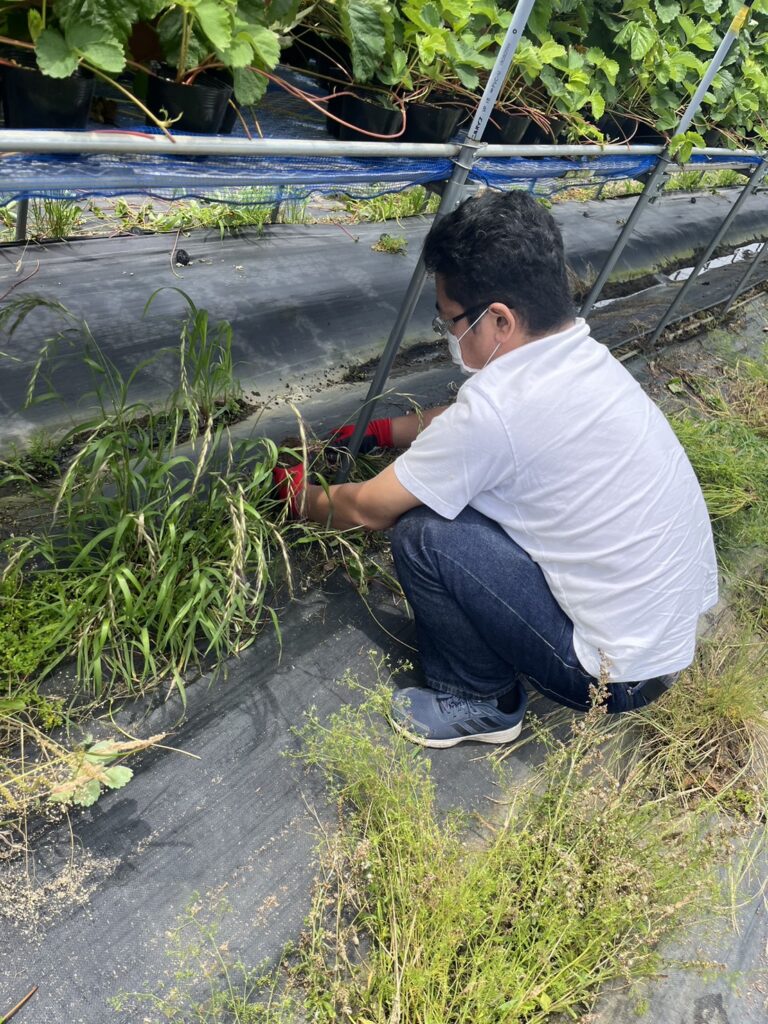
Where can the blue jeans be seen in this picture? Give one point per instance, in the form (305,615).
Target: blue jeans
(485,615)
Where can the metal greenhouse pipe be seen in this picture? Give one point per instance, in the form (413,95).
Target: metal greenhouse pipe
(139,144)
(754,180)
(450,199)
(655,183)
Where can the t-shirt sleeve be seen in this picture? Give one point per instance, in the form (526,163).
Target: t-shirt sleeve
(463,452)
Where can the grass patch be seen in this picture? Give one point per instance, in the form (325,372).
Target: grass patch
(526,927)
(411,202)
(166,550)
(159,558)
(682,181)
(708,738)
(724,435)
(46,219)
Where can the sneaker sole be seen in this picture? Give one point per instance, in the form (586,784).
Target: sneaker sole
(503,736)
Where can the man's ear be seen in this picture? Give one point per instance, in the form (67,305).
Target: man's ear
(504,317)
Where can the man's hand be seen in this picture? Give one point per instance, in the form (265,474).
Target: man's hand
(378,434)
(290,486)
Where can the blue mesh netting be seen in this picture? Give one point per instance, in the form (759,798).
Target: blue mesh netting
(273,179)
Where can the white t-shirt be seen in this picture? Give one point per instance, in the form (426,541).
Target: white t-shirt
(558,443)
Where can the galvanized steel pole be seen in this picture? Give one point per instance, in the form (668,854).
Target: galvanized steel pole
(450,200)
(655,183)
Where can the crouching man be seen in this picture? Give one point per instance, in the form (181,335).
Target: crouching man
(548,525)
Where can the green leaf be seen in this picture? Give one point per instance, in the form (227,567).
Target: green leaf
(89,41)
(527,60)
(550,50)
(746,100)
(487,10)
(667,12)
(281,12)
(266,46)
(249,86)
(216,22)
(35,24)
(423,16)
(610,68)
(431,46)
(118,776)
(8,705)
(240,52)
(597,102)
(703,40)
(367,25)
(681,146)
(640,38)
(688,26)
(468,78)
(539,18)
(102,752)
(676,386)
(54,57)
(681,63)
(86,795)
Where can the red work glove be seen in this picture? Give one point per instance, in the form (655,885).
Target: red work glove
(290,486)
(378,434)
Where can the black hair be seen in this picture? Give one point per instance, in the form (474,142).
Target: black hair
(503,247)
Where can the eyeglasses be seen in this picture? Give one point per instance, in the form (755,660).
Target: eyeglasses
(443,326)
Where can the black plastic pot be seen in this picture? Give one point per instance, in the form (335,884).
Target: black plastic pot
(33,100)
(372,117)
(629,129)
(230,112)
(535,135)
(321,55)
(426,122)
(202,105)
(506,129)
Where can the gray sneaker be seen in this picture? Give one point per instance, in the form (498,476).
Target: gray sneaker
(436,719)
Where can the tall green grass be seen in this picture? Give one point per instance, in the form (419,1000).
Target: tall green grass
(167,548)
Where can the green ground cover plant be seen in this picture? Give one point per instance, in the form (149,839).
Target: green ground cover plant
(188,214)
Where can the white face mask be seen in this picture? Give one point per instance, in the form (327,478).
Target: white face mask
(454,347)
